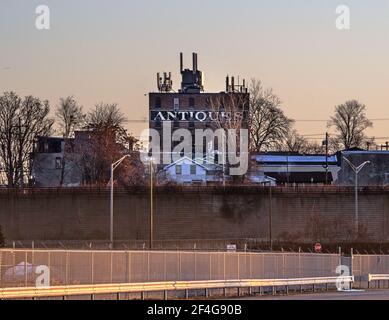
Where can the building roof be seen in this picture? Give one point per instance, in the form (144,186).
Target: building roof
(298,159)
(375,152)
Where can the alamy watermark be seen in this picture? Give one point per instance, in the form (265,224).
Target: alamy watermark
(42,19)
(43,278)
(343,20)
(223,146)
(343,271)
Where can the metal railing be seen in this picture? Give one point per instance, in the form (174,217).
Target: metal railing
(377,279)
(92,290)
(363,265)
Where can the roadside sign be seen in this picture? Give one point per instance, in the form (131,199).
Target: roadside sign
(231,247)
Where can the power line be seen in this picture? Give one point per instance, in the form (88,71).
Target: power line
(322,120)
(296,120)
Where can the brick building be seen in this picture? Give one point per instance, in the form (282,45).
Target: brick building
(191,108)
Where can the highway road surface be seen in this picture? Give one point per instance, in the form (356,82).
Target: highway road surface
(344,295)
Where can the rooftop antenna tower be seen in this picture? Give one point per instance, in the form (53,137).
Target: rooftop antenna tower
(165,83)
(192,80)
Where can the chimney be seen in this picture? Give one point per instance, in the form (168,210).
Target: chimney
(227,83)
(194,62)
(181,62)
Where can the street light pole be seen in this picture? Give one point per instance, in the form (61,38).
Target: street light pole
(113,167)
(151,205)
(111,211)
(356,170)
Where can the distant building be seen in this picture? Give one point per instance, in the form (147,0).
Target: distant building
(374,174)
(81,159)
(191,108)
(47,161)
(294,168)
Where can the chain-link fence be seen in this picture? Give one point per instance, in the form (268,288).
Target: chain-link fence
(18,267)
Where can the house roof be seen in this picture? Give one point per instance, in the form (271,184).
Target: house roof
(189,159)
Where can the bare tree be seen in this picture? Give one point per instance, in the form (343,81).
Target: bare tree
(350,122)
(268,123)
(70,117)
(232,111)
(314,147)
(294,142)
(106,140)
(22,120)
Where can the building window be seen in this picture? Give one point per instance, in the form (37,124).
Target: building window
(158,102)
(58,163)
(178,169)
(193,169)
(191,102)
(176,104)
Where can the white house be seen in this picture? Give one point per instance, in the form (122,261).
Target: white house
(189,171)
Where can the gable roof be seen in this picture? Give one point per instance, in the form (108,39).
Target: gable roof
(186,158)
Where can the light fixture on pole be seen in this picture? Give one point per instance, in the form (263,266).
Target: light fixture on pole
(357,170)
(113,167)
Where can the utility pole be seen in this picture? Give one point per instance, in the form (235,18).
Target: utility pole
(326,143)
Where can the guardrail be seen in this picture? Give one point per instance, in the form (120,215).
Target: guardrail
(92,290)
(377,277)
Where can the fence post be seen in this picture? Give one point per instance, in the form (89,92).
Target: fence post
(195,268)
(13,266)
(111,267)
(49,264)
(299,259)
(164,266)
(67,267)
(148,265)
(92,267)
(250,262)
(179,266)
(238,267)
(129,266)
(224,266)
(25,269)
(210,266)
(351,266)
